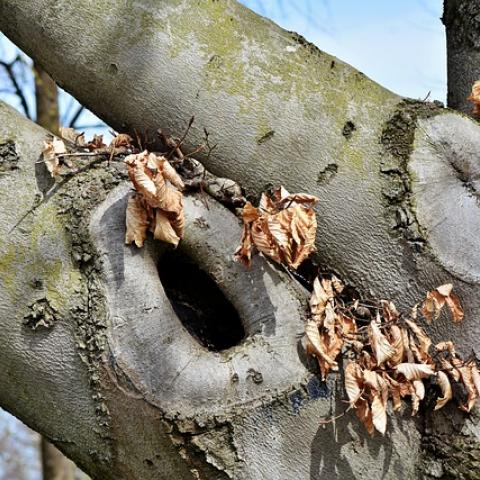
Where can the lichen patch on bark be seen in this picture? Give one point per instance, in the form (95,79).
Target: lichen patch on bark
(8,157)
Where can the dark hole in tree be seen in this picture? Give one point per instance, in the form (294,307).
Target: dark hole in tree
(198,302)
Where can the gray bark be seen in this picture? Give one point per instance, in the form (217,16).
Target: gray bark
(462,25)
(398,183)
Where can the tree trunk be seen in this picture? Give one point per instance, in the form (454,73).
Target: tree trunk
(462,23)
(46,99)
(398,215)
(55,465)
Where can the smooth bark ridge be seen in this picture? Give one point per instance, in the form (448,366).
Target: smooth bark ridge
(462,24)
(282,112)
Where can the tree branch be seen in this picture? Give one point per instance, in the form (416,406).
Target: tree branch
(8,66)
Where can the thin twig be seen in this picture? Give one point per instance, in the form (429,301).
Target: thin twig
(182,139)
(332,419)
(75,116)
(18,90)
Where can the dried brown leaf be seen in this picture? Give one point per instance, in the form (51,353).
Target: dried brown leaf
(266,204)
(96,143)
(436,299)
(364,413)
(395,390)
(136,221)
(379,414)
(414,371)
(424,341)
(390,312)
(316,343)
(445,347)
(353,378)
(262,239)
(453,303)
(121,140)
(381,347)
(318,299)
(147,173)
(164,230)
(396,341)
(250,213)
(72,136)
(142,178)
(444,383)
(51,150)
(432,306)
(449,368)
(466,375)
(476,378)
(168,172)
(337,284)
(243,253)
(475,98)
(297,199)
(280,230)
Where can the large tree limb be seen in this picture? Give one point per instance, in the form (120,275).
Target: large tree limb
(281,111)
(391,175)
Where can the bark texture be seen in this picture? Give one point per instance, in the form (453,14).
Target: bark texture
(462,23)
(398,183)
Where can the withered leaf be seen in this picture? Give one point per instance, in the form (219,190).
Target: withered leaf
(436,299)
(414,371)
(353,381)
(364,413)
(424,341)
(164,230)
(149,175)
(396,341)
(476,378)
(444,384)
(453,303)
(466,373)
(283,228)
(137,221)
(445,347)
(379,414)
(389,311)
(475,98)
(380,345)
(96,143)
(51,150)
(73,136)
(243,253)
(316,343)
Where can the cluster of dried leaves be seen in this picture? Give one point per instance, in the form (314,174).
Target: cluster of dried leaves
(475,98)
(157,203)
(156,206)
(57,152)
(390,356)
(283,228)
